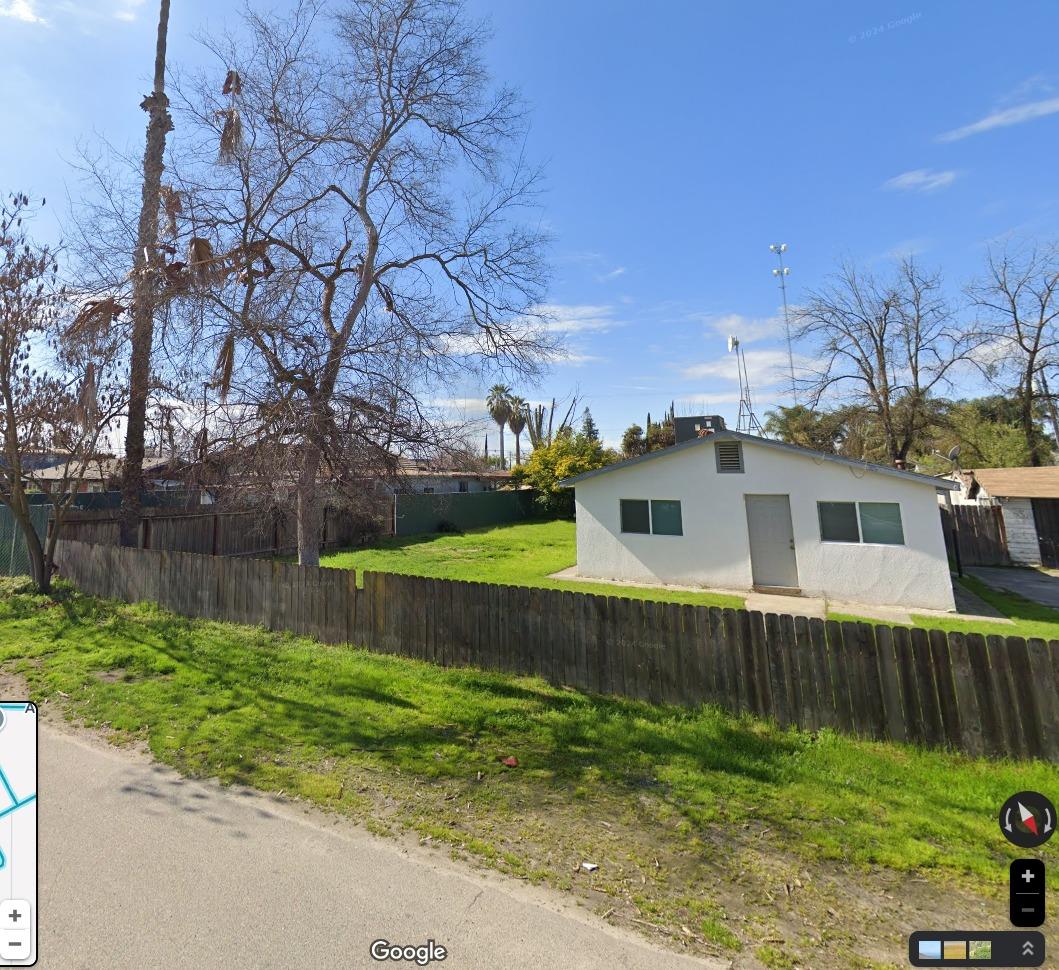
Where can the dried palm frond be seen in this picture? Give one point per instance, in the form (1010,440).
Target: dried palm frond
(231,137)
(176,277)
(225,366)
(252,252)
(387,296)
(173,207)
(233,84)
(95,315)
(200,256)
(85,410)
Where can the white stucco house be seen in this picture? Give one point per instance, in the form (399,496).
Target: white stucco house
(738,512)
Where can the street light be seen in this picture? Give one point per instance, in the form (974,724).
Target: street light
(781,273)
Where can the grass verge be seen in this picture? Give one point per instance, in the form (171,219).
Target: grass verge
(688,813)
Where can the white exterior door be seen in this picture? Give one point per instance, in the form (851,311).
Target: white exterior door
(772,558)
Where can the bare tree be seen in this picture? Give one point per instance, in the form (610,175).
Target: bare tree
(147,277)
(363,238)
(889,346)
(1018,306)
(56,402)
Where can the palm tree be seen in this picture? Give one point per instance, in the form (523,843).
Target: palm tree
(499,406)
(517,423)
(156,104)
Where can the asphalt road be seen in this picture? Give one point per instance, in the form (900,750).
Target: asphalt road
(142,869)
(1041,587)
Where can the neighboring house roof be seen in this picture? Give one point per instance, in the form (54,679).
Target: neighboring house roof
(95,468)
(939,483)
(412,468)
(1025,482)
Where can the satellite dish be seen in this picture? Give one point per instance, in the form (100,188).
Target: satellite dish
(733,342)
(954,452)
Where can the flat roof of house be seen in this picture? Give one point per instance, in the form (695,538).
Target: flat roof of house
(1026,482)
(938,483)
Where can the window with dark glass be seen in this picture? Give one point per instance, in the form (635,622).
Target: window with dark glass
(881,522)
(635,515)
(838,521)
(665,518)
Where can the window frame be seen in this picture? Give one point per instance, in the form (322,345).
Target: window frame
(649,503)
(860,540)
(621,517)
(820,521)
(877,542)
(680,516)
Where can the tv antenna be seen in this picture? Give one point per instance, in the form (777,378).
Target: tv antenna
(781,273)
(747,420)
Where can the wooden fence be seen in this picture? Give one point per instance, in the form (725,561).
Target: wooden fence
(979,531)
(214,532)
(984,695)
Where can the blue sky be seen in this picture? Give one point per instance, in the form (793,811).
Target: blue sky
(679,143)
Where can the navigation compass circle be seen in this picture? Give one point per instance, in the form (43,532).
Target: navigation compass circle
(1027,819)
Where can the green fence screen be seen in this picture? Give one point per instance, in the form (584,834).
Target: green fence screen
(460,510)
(14,558)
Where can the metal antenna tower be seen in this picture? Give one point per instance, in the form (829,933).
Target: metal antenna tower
(747,420)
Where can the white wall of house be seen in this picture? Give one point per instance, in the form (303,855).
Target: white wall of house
(714,549)
(1021,529)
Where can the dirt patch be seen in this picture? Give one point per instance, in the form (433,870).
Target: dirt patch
(113,676)
(739,895)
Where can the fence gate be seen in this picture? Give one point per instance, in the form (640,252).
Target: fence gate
(979,530)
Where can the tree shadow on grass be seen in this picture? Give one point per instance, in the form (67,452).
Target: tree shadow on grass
(567,733)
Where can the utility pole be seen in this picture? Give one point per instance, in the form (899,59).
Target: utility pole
(782,272)
(144,287)
(1050,404)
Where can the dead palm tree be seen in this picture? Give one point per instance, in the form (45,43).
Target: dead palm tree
(499,406)
(144,285)
(517,423)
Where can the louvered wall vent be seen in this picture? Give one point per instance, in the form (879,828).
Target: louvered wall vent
(729,456)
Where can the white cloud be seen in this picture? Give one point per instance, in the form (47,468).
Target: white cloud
(612,275)
(83,12)
(575,359)
(24,10)
(747,329)
(461,403)
(126,9)
(700,402)
(766,368)
(576,318)
(907,248)
(921,180)
(1004,119)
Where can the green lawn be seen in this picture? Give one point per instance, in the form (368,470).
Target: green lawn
(1030,619)
(525,554)
(408,747)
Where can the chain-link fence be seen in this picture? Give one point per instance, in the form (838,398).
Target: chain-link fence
(14,557)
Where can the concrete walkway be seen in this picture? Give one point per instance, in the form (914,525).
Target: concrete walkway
(968,606)
(141,869)
(1032,584)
